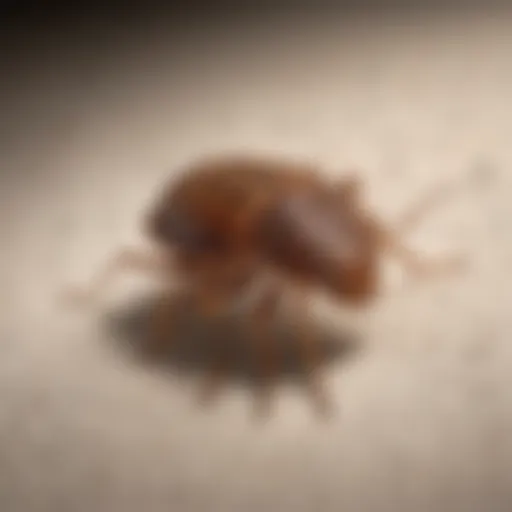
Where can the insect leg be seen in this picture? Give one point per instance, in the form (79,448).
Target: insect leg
(214,292)
(311,356)
(416,264)
(264,344)
(128,259)
(211,304)
(161,324)
(423,207)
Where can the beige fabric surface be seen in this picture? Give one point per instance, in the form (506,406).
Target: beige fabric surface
(90,128)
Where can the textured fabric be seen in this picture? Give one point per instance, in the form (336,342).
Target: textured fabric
(91,125)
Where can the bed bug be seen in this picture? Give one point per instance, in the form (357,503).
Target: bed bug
(228,220)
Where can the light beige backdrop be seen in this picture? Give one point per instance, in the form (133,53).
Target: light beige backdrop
(92,121)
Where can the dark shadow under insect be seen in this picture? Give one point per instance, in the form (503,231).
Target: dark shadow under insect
(198,343)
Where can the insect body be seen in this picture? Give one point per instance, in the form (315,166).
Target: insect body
(277,214)
(228,220)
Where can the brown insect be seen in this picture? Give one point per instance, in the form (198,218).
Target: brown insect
(230,220)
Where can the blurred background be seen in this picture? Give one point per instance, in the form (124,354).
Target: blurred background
(99,105)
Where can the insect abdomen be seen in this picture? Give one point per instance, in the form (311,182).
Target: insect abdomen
(312,239)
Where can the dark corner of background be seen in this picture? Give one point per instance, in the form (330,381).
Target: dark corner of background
(26,24)
(24,13)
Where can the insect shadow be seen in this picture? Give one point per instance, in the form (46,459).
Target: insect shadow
(196,342)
